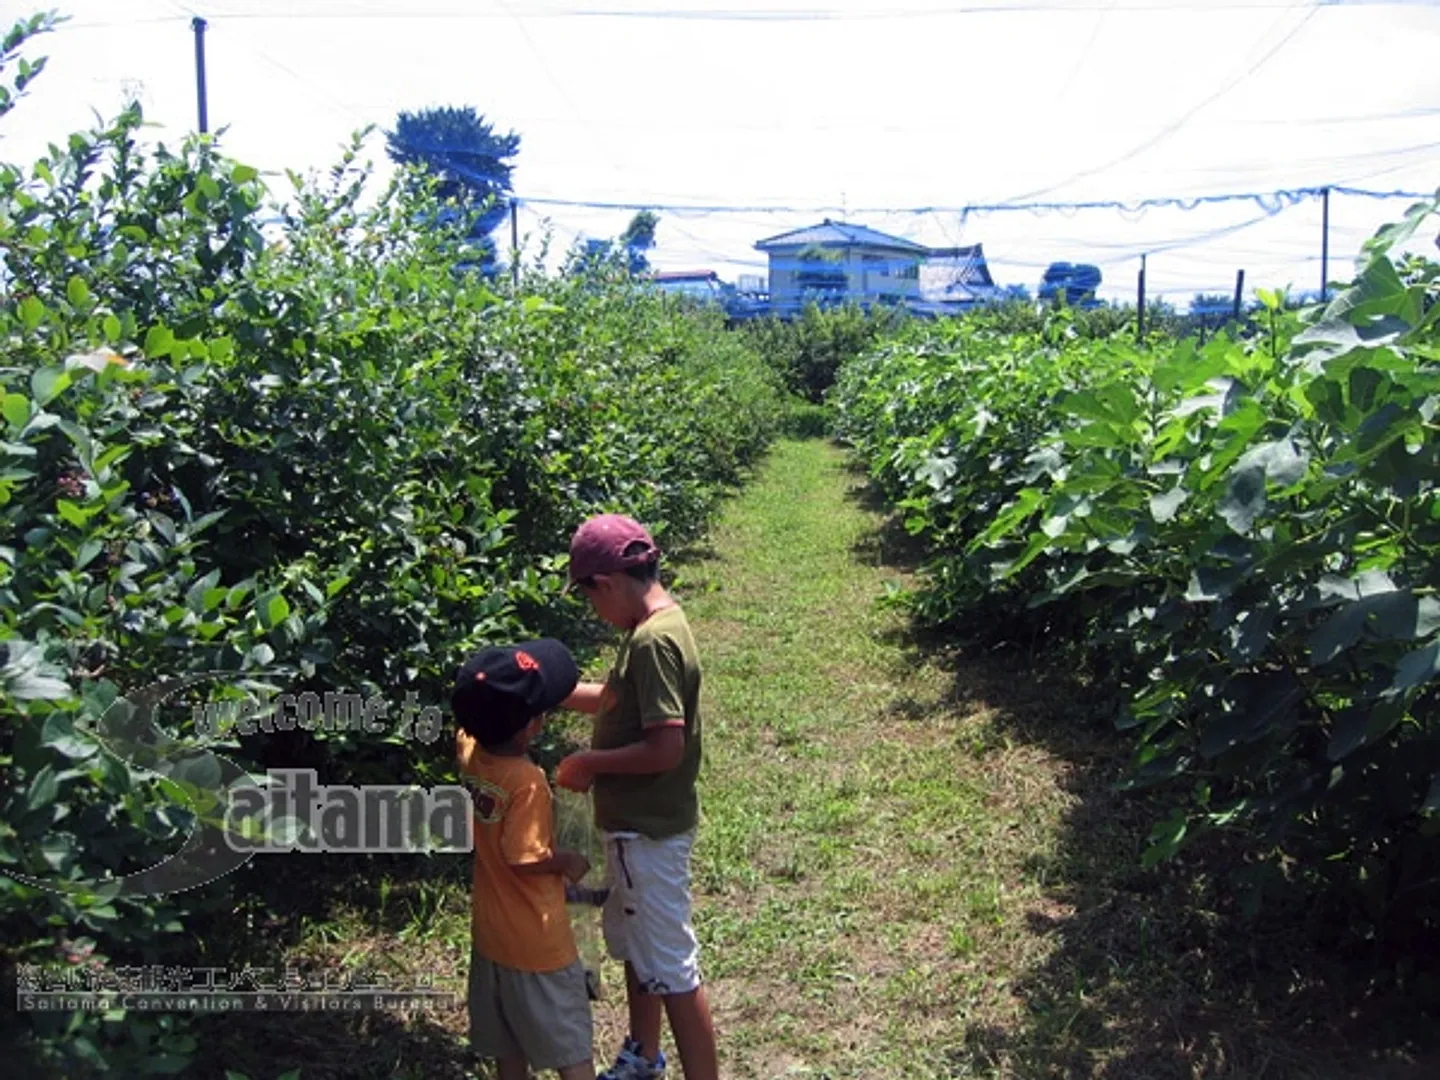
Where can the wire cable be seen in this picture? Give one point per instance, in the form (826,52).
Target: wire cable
(1175,125)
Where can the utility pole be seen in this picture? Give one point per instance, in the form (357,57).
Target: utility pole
(1140,303)
(1239,290)
(1325,244)
(198,25)
(515,242)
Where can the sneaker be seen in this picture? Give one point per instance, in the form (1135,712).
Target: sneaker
(631,1065)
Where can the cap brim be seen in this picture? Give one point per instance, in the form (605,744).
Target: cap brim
(560,673)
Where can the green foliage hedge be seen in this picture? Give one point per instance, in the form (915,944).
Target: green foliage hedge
(808,350)
(304,443)
(1240,541)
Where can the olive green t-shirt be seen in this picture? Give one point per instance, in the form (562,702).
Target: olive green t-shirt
(655,680)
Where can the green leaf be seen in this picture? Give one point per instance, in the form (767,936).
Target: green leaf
(1384,616)
(1431,805)
(59,734)
(47,383)
(1163,508)
(26,676)
(167,1064)
(87,554)
(1165,839)
(1244,499)
(58,850)
(273,609)
(197,596)
(113,329)
(1249,635)
(16,408)
(74,513)
(43,789)
(208,187)
(237,595)
(936,471)
(1335,337)
(1012,515)
(243,174)
(77,292)
(1283,462)
(533,304)
(1256,705)
(159,340)
(1356,727)
(32,312)
(1415,668)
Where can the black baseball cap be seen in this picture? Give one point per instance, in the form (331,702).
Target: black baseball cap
(501,689)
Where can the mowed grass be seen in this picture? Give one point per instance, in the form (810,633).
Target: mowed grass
(912,862)
(860,869)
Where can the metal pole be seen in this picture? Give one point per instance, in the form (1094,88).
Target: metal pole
(1239,291)
(1140,304)
(1325,244)
(198,25)
(515,242)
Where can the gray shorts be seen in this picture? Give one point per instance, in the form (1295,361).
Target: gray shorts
(543,1017)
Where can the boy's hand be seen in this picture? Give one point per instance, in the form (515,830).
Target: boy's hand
(464,746)
(574,773)
(573,865)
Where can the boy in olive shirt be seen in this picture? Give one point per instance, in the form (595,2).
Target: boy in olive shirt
(643,763)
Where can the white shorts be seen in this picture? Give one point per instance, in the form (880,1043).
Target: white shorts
(647,915)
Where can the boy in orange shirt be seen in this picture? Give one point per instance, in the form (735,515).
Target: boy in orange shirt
(529,1004)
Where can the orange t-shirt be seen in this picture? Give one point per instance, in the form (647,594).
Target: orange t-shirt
(518,920)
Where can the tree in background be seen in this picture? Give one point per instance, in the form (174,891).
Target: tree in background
(638,238)
(619,257)
(469,160)
(1211,304)
(1075,283)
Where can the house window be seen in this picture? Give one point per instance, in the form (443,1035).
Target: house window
(820,281)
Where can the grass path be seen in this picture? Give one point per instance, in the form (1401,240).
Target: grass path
(861,869)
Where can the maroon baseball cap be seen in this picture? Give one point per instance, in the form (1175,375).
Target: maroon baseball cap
(607,543)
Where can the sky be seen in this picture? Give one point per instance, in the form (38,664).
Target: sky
(895,117)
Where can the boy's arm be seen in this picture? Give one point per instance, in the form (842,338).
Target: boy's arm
(571,864)
(658,671)
(662,749)
(587,697)
(526,842)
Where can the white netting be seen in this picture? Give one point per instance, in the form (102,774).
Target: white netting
(575,831)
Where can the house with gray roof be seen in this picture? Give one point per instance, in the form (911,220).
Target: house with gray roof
(837,262)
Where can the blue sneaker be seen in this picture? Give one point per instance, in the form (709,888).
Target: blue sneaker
(632,1065)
